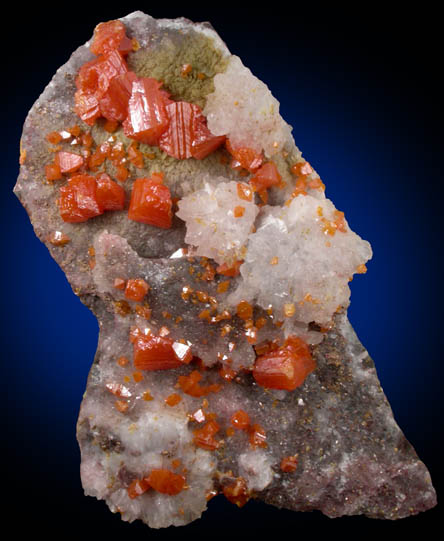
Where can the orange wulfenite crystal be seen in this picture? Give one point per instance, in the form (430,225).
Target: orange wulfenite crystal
(166,481)
(301,169)
(78,200)
(53,172)
(204,437)
(190,385)
(239,211)
(173,399)
(240,420)
(151,203)
(155,353)
(266,176)
(185,69)
(237,492)
(245,158)
(136,289)
(244,310)
(257,436)
(289,463)
(109,36)
(138,487)
(226,270)
(135,156)
(57,238)
(69,162)
(187,134)
(222,287)
(284,368)
(244,192)
(147,117)
(110,195)
(121,406)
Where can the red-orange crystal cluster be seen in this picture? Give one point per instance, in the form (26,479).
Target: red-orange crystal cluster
(107,88)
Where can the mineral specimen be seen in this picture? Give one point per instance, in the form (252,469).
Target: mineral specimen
(158,171)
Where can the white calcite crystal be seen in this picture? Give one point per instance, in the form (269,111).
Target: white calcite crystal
(307,260)
(213,227)
(256,468)
(243,108)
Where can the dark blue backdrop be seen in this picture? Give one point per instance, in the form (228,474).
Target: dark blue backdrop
(361,94)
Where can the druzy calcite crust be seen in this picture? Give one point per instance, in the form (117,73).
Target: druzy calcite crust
(159,173)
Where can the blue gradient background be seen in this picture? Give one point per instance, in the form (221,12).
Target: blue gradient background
(362,97)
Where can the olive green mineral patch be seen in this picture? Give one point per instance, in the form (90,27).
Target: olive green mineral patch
(164,61)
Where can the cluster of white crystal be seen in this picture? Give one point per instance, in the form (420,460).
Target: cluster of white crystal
(243,108)
(212,226)
(256,468)
(293,264)
(144,444)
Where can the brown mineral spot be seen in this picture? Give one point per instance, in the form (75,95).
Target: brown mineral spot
(122,308)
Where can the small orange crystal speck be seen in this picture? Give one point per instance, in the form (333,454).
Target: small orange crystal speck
(244,310)
(137,487)
(204,437)
(122,361)
(258,437)
(53,172)
(222,287)
(54,137)
(227,373)
(244,192)
(185,69)
(173,399)
(289,463)
(239,211)
(57,238)
(240,420)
